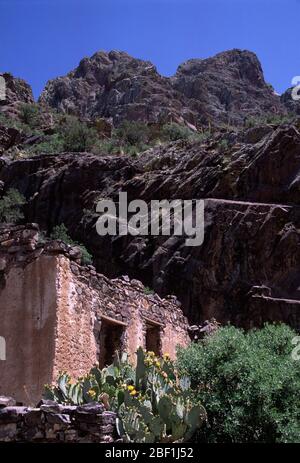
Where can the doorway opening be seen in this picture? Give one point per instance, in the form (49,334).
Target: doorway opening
(111,340)
(153,340)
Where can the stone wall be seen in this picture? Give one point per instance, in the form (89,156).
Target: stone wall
(55,423)
(58,315)
(28,319)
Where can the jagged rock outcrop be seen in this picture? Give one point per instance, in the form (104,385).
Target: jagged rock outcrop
(252,219)
(292,105)
(9,136)
(227,88)
(115,85)
(15,93)
(16,90)
(247,269)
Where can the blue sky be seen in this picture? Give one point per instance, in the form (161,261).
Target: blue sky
(42,39)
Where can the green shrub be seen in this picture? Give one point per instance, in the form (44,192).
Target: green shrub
(16,124)
(29,114)
(276,119)
(77,136)
(109,146)
(10,206)
(174,132)
(148,290)
(248,383)
(223,145)
(132,133)
(129,138)
(52,144)
(153,404)
(60,232)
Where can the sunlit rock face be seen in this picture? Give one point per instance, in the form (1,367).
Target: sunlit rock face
(227,88)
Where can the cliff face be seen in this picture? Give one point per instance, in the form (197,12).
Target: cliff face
(227,88)
(251,246)
(246,271)
(292,105)
(115,85)
(17,90)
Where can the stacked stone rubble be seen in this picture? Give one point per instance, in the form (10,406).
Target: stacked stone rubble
(55,423)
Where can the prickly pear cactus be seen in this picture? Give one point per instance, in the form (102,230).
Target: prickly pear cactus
(152,403)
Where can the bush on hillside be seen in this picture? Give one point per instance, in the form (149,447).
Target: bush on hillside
(77,136)
(174,132)
(10,206)
(29,114)
(132,133)
(248,383)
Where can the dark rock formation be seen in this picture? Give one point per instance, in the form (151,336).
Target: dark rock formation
(17,90)
(227,88)
(9,137)
(115,85)
(292,106)
(249,178)
(252,219)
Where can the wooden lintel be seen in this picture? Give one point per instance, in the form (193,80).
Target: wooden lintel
(113,320)
(153,322)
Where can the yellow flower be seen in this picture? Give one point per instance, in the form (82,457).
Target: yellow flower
(148,363)
(130,388)
(151,353)
(92,393)
(167,356)
(134,392)
(157,364)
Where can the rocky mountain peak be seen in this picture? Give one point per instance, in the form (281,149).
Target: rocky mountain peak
(238,64)
(229,87)
(226,88)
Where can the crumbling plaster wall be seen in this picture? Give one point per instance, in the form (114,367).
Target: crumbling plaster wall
(86,298)
(52,310)
(28,306)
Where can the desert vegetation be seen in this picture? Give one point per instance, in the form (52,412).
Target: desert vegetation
(153,403)
(231,386)
(248,383)
(11,206)
(55,133)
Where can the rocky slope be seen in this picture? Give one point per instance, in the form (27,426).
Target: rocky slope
(115,85)
(227,88)
(292,106)
(17,90)
(247,270)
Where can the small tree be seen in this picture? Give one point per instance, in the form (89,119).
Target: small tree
(10,206)
(77,136)
(248,383)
